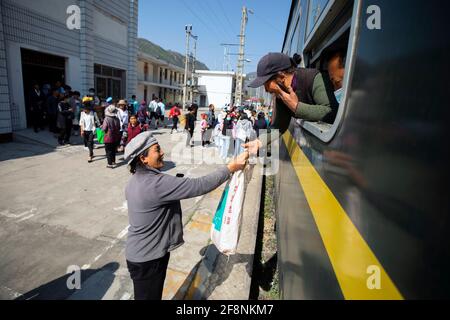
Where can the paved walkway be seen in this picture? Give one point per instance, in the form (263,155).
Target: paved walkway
(57,211)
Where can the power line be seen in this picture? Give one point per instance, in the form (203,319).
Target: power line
(207,15)
(266,21)
(198,18)
(225,15)
(211,8)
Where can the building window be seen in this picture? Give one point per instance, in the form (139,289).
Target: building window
(146,72)
(109,82)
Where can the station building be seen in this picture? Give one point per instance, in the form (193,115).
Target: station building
(39,43)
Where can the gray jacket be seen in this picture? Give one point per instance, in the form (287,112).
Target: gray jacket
(154,210)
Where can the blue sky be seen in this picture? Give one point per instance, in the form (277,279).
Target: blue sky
(215,22)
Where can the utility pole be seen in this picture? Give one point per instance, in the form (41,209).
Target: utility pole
(226,55)
(188,29)
(241,59)
(226,59)
(194,59)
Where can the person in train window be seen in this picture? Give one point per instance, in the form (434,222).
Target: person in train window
(336,70)
(301,93)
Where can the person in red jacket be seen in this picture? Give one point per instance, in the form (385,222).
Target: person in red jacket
(135,128)
(174,114)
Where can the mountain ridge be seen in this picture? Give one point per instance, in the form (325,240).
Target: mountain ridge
(170,56)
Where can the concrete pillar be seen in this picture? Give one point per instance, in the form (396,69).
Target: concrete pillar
(87,45)
(132,49)
(5,107)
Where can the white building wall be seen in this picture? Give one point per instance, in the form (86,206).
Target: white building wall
(219,86)
(40,25)
(115,29)
(140,71)
(109,29)
(32,25)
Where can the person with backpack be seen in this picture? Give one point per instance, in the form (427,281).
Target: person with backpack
(142,114)
(152,111)
(160,112)
(111,127)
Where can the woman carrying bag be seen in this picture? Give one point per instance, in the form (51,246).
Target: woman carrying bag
(155,214)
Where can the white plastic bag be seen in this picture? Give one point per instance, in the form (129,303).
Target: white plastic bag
(226,224)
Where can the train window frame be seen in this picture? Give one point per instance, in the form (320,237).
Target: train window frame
(325,131)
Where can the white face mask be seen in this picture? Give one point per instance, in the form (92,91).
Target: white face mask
(338,94)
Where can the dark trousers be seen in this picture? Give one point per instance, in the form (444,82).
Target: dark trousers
(111,150)
(65,133)
(89,142)
(207,136)
(190,135)
(37,118)
(52,123)
(148,278)
(175,123)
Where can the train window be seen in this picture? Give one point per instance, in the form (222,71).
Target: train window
(316,7)
(333,37)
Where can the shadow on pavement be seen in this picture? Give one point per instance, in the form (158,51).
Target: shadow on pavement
(26,143)
(214,269)
(94,285)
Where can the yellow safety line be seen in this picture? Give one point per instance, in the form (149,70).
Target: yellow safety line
(355,265)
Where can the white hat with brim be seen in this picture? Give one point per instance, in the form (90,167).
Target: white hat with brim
(110,111)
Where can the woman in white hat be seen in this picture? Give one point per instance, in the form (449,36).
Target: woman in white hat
(154,211)
(111,127)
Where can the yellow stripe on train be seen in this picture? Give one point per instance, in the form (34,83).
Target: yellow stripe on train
(358,271)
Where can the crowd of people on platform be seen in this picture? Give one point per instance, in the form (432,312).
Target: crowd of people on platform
(229,129)
(116,123)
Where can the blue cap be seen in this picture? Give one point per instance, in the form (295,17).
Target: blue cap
(109,100)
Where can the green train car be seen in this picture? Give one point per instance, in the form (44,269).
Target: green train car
(363,199)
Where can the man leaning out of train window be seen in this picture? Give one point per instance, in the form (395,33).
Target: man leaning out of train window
(302,93)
